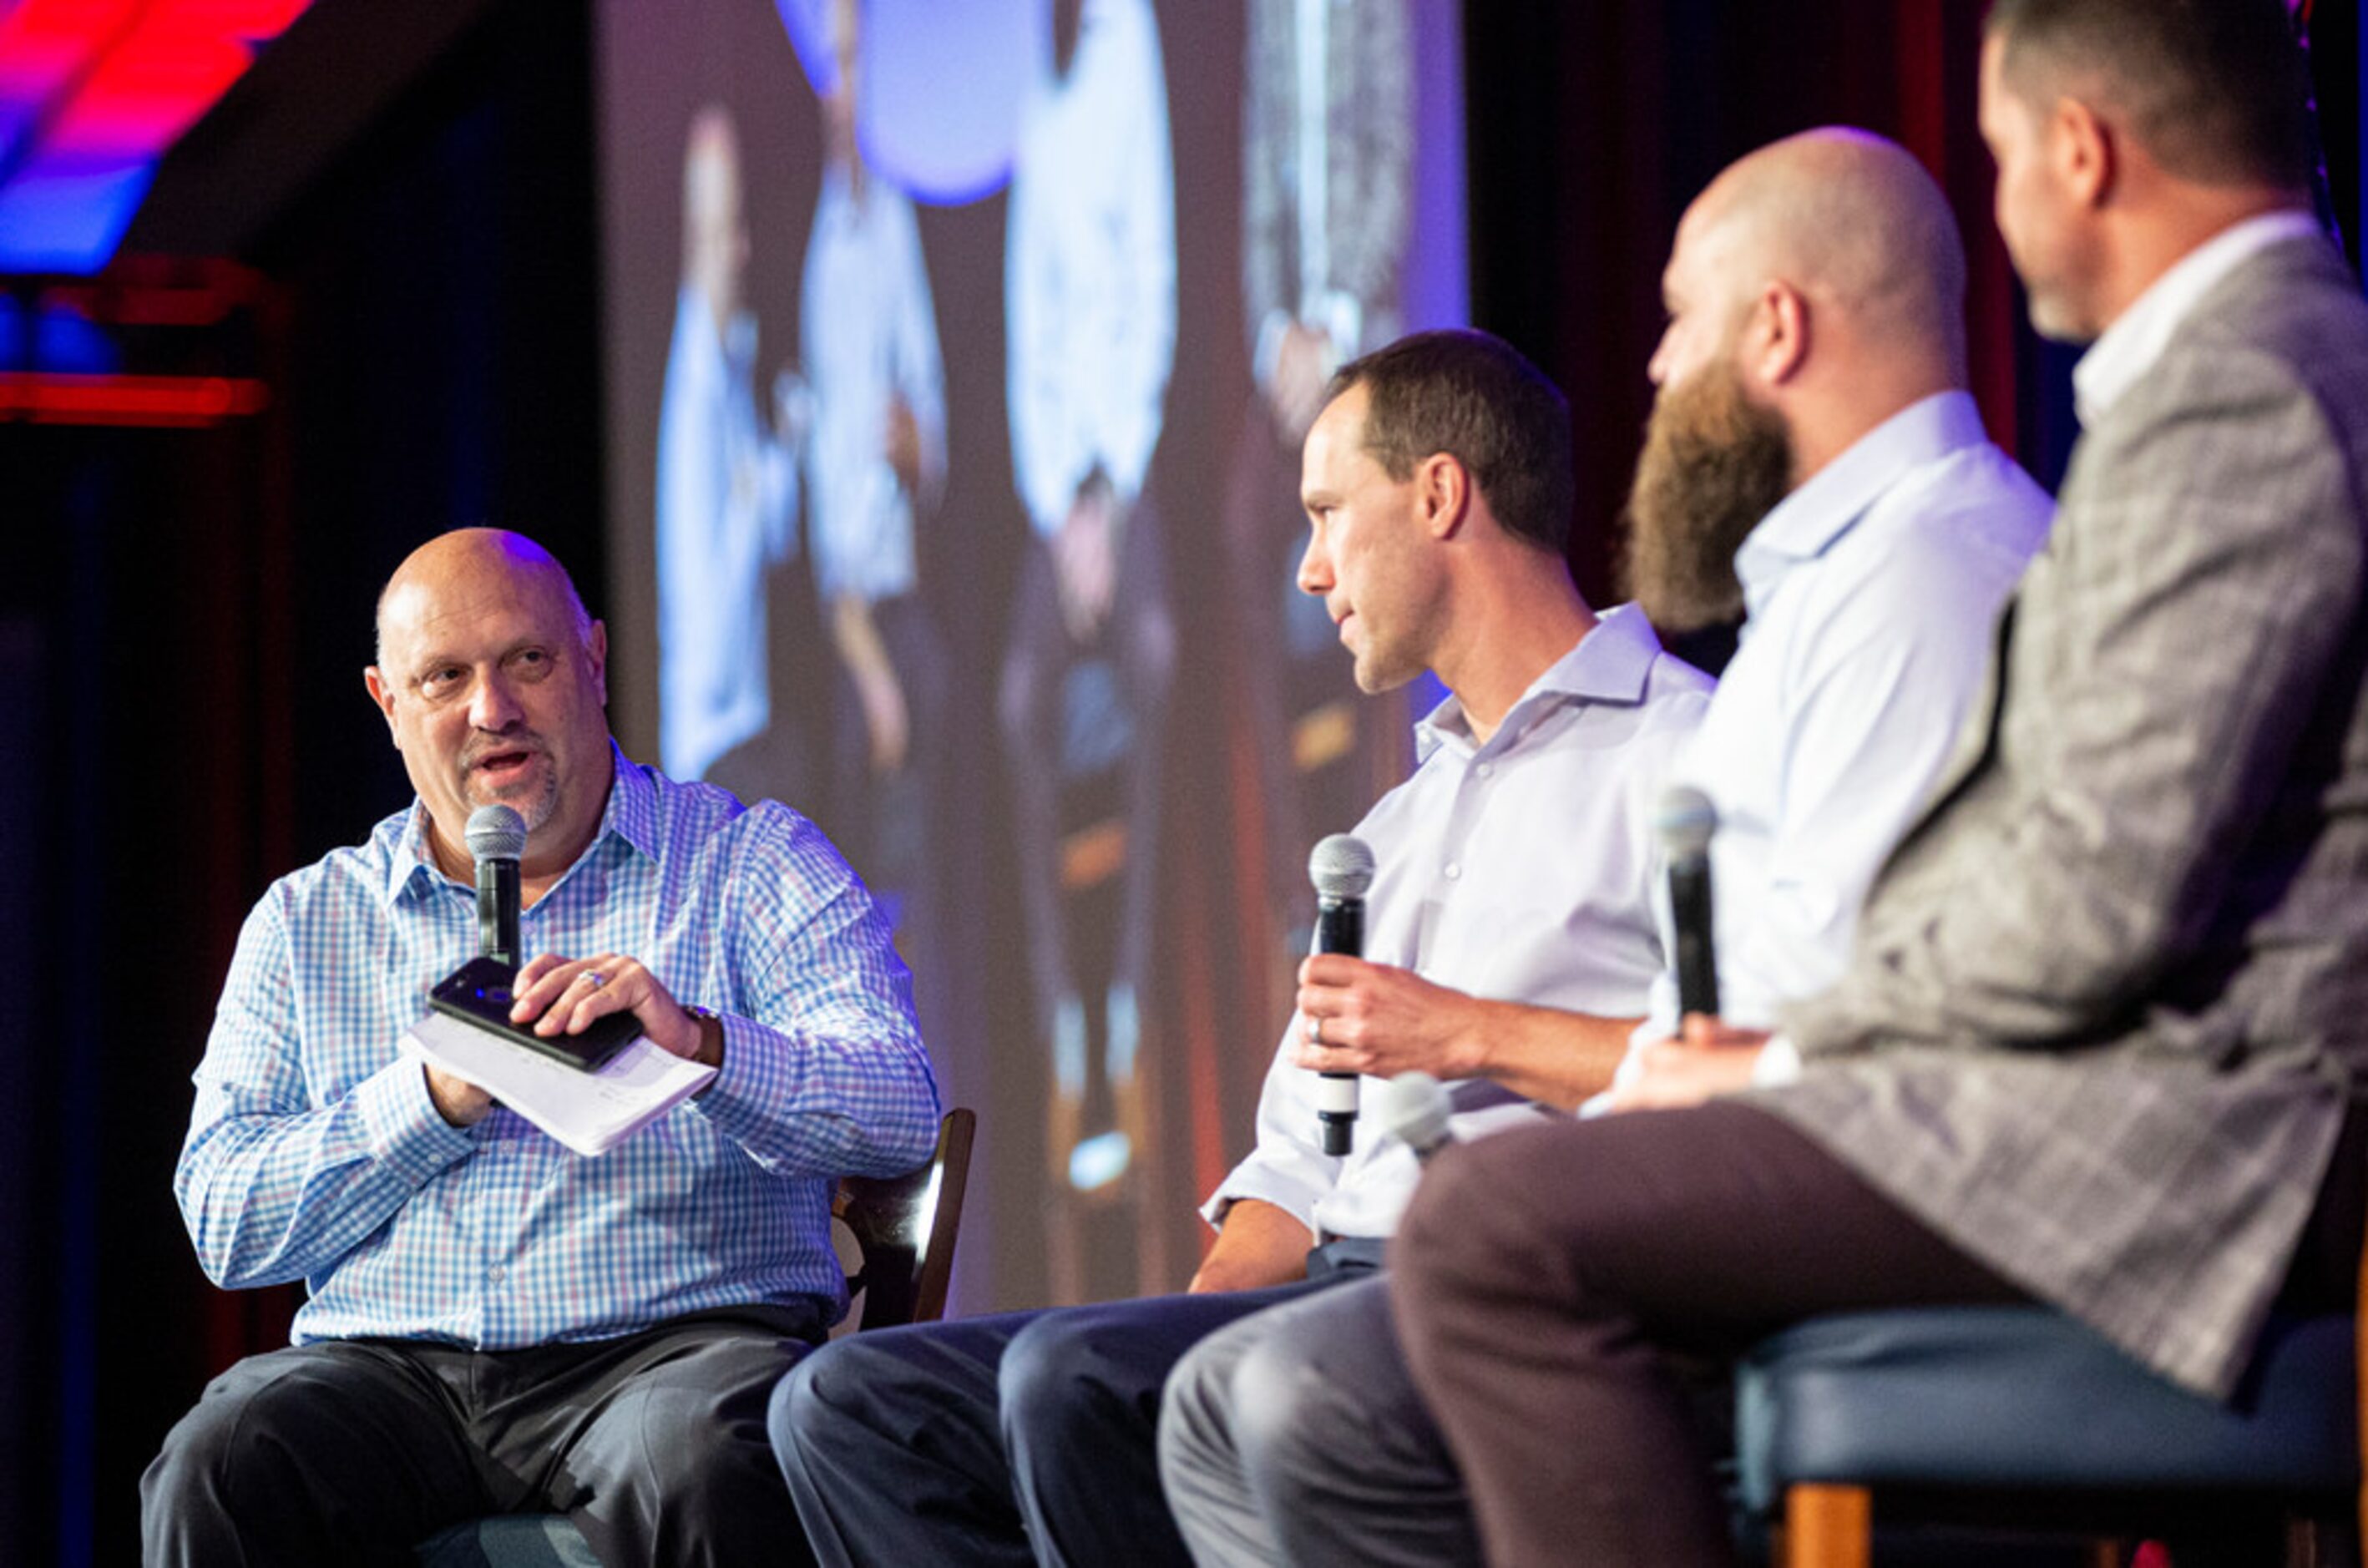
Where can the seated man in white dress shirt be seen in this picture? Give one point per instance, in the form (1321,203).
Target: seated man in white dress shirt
(1516,862)
(1812,459)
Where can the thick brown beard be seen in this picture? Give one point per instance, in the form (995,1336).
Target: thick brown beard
(1713,464)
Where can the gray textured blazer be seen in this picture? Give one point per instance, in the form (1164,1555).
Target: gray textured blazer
(2110,993)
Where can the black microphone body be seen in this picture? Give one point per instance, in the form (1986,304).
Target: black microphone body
(1339,928)
(497,911)
(497,837)
(1342,869)
(1687,822)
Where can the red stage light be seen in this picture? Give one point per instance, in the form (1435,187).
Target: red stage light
(95,90)
(186,401)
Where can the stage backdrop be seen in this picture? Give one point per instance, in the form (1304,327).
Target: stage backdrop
(958,357)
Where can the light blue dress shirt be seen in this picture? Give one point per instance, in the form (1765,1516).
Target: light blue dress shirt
(1520,870)
(315,1153)
(1873,592)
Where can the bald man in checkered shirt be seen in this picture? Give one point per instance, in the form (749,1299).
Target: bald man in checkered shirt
(496,1325)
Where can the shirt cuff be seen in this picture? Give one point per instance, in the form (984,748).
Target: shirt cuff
(753,1083)
(407,1134)
(1265,1187)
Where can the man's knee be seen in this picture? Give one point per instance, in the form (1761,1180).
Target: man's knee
(265,1411)
(196,1460)
(1280,1415)
(681,1434)
(891,1384)
(304,1432)
(1036,1380)
(691,1444)
(808,1411)
(1078,1371)
(1195,1407)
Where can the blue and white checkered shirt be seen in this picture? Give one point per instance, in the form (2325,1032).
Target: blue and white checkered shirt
(314,1151)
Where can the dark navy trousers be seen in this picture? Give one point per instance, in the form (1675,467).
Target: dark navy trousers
(1021,1437)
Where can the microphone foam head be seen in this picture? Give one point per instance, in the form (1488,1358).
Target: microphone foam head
(1341,867)
(1415,1106)
(497,833)
(1685,822)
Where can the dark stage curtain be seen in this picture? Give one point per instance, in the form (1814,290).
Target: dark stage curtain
(185,616)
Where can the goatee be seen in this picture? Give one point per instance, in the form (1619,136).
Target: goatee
(1714,463)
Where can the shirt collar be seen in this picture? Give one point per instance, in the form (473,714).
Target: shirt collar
(2120,358)
(631,814)
(1610,664)
(1806,524)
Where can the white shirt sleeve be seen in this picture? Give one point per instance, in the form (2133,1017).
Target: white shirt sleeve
(1287,1168)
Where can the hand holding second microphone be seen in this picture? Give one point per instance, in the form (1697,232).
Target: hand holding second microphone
(1711,1058)
(1686,822)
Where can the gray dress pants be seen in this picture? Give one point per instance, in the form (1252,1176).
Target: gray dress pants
(1296,1436)
(349,1451)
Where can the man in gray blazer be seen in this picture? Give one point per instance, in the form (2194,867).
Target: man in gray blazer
(2109,996)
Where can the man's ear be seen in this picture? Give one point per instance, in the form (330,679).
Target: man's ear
(1776,337)
(2083,151)
(1442,492)
(596,648)
(381,693)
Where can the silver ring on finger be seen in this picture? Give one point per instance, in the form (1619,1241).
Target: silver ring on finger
(1315,1030)
(593,978)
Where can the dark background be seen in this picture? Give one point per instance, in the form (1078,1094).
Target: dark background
(406,195)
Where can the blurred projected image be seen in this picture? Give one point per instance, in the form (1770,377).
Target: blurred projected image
(727,484)
(1327,206)
(876,467)
(959,356)
(1091,284)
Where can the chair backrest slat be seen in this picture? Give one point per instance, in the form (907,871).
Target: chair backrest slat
(905,1229)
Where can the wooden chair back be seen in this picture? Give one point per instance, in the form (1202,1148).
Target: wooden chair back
(905,1228)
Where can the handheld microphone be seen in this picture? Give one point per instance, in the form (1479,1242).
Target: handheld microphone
(497,837)
(1686,821)
(1415,1106)
(1342,869)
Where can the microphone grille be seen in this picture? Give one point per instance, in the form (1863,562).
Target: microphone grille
(1685,822)
(1341,867)
(497,833)
(1415,1106)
